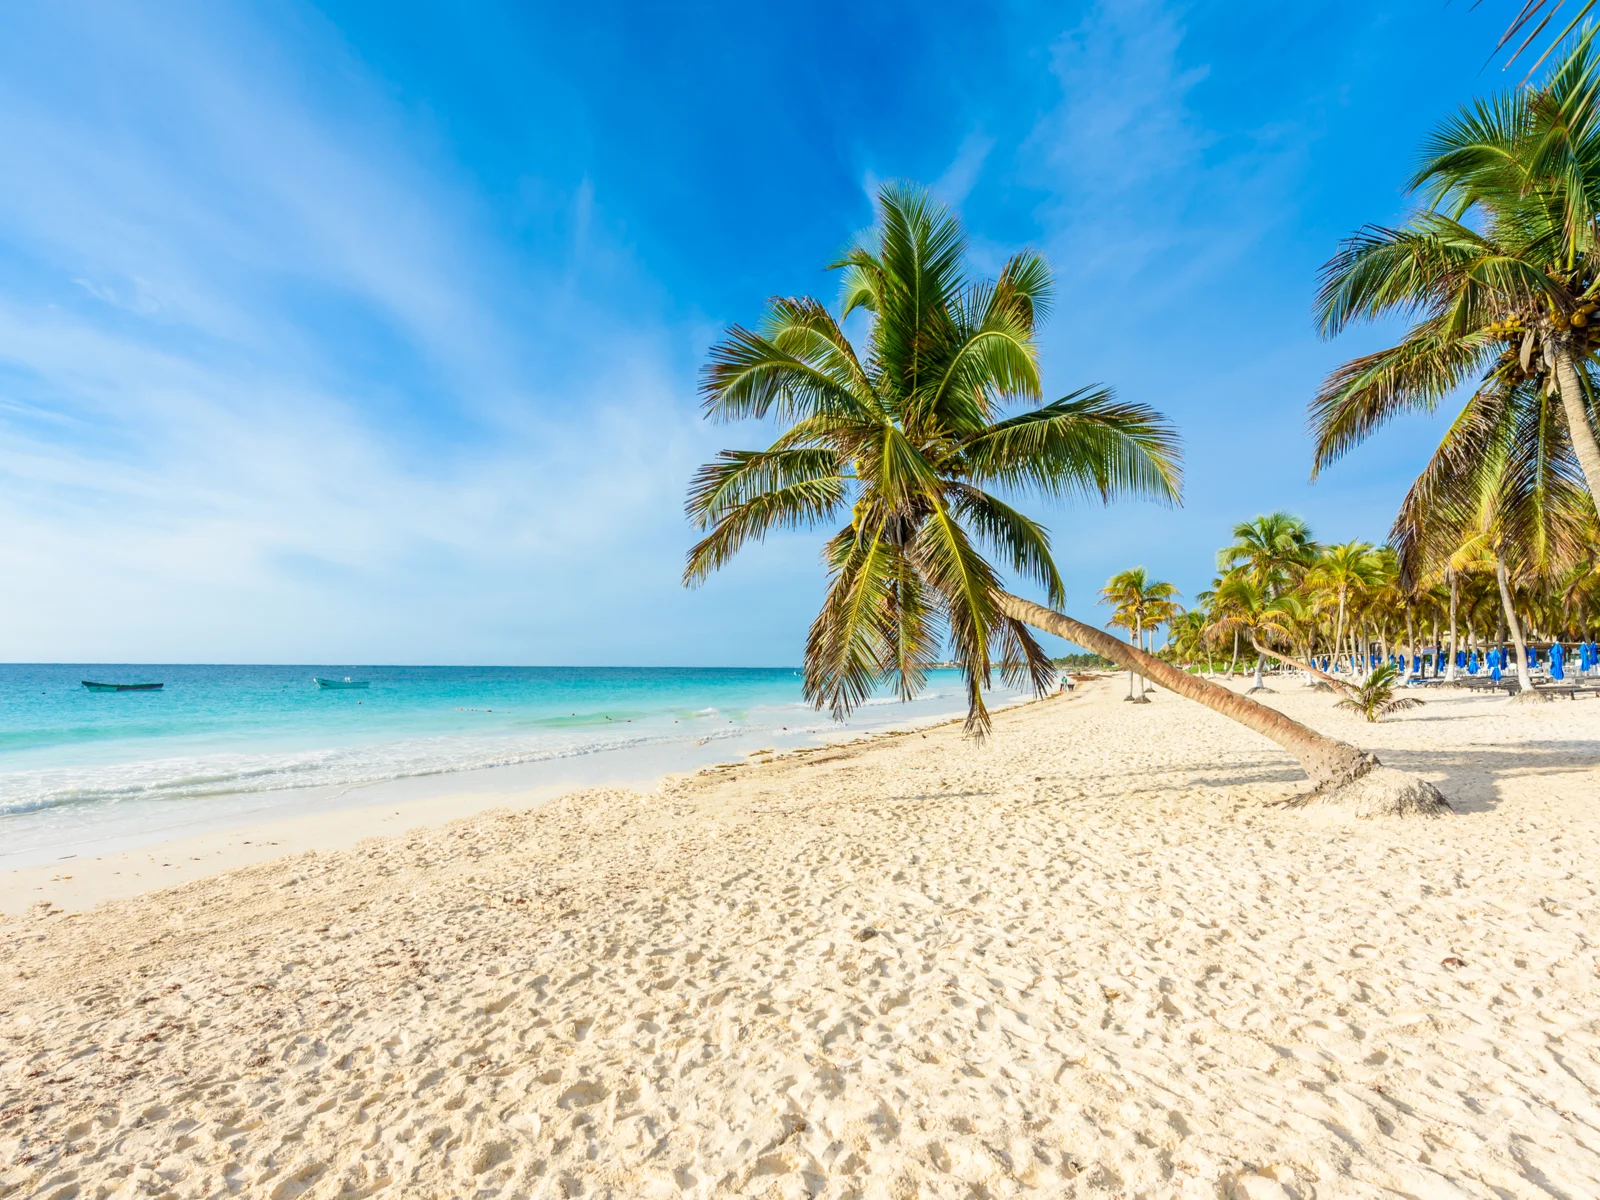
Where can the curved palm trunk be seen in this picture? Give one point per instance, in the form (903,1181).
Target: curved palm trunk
(1326,760)
(1261,662)
(1234,665)
(1576,410)
(1513,625)
(1338,685)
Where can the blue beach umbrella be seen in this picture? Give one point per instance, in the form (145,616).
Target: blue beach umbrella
(1533,657)
(1556,655)
(1472,663)
(1416,664)
(1494,665)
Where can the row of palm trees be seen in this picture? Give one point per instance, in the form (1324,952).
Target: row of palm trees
(1279,595)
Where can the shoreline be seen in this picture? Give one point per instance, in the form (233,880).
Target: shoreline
(234,746)
(77,882)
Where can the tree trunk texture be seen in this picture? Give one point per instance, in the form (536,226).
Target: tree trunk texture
(1338,685)
(1348,779)
(1134,680)
(1576,409)
(1509,616)
(1328,761)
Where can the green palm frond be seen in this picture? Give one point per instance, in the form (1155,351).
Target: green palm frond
(914,430)
(848,642)
(945,556)
(1088,443)
(1365,393)
(745,494)
(1531,21)
(1374,697)
(1020,539)
(1497,276)
(749,377)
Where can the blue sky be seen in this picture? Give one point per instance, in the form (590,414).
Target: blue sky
(368,332)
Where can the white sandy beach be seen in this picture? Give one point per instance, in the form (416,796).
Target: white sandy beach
(1092,958)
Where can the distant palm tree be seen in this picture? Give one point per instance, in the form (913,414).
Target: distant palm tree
(1188,637)
(903,442)
(1374,697)
(1139,603)
(1272,549)
(1500,273)
(1241,606)
(1299,616)
(1244,606)
(1344,570)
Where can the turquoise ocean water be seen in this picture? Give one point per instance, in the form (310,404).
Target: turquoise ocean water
(78,767)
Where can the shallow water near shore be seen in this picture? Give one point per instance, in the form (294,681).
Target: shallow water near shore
(80,767)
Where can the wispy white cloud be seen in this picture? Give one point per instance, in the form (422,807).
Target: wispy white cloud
(269,388)
(957,180)
(1121,156)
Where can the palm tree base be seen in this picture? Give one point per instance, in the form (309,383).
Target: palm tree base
(1262,688)
(1316,685)
(1531,696)
(1378,791)
(1137,699)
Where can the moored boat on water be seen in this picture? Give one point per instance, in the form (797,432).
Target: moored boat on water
(121,687)
(346,682)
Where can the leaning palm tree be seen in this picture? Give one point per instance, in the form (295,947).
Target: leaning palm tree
(1298,615)
(904,442)
(1499,272)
